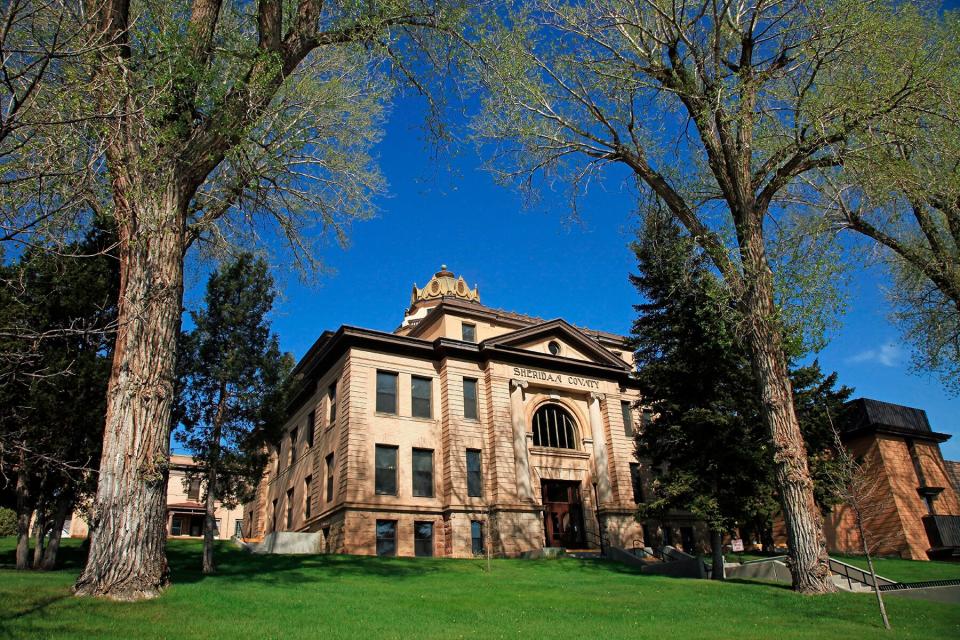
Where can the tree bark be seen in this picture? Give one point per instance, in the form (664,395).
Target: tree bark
(209,525)
(40,533)
(716,547)
(49,561)
(213,464)
(807,552)
(127,558)
(24,512)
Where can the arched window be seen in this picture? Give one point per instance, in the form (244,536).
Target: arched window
(553,427)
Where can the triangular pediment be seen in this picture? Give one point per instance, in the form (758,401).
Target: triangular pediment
(572,342)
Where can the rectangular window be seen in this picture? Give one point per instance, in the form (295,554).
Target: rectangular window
(311,423)
(474,474)
(216,527)
(423,473)
(470,398)
(386,537)
(423,539)
(306,496)
(420,397)
(476,537)
(468,332)
(386,392)
(238,529)
(176,527)
(193,492)
(646,417)
(637,482)
(627,412)
(332,399)
(386,470)
(289,508)
(273,522)
(330,478)
(279,447)
(293,447)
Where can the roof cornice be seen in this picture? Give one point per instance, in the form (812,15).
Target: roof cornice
(332,345)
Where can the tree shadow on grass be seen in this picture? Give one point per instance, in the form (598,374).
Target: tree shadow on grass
(185,565)
(37,608)
(760,583)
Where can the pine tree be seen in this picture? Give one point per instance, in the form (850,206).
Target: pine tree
(708,445)
(57,322)
(231,382)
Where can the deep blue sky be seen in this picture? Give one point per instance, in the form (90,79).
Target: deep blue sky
(538,261)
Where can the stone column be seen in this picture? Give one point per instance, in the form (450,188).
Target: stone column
(601,467)
(520,455)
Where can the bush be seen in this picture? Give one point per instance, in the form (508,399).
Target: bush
(8,522)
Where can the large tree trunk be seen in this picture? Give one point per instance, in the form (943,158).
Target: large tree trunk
(127,558)
(210,523)
(56,531)
(716,547)
(213,467)
(807,552)
(24,512)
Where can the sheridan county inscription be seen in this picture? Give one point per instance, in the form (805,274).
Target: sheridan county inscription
(546,376)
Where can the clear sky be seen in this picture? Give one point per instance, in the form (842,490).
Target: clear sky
(537,260)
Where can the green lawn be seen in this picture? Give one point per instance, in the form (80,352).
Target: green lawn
(893,568)
(360,598)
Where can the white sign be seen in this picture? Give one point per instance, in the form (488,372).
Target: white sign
(737,544)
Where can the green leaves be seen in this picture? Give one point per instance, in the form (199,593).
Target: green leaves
(231,377)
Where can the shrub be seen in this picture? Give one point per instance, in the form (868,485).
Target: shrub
(8,522)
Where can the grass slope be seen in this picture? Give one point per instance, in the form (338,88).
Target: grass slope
(362,597)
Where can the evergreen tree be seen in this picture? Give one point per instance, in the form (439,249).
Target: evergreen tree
(708,445)
(231,384)
(57,325)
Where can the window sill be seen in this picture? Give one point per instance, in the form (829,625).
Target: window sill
(559,453)
(379,414)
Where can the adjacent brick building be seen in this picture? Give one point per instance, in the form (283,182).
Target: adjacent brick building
(466,427)
(912,510)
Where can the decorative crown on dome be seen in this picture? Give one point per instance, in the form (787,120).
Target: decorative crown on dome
(444,283)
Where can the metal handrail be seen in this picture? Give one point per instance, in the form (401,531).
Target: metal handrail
(770,559)
(852,573)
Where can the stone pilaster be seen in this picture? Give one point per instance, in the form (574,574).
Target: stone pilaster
(520,453)
(600,466)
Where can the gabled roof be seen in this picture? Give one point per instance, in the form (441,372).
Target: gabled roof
(501,317)
(562,329)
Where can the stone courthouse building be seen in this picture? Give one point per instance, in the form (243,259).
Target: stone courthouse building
(467,429)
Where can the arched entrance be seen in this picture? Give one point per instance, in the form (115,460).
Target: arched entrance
(562,514)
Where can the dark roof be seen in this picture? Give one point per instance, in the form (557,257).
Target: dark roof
(868,415)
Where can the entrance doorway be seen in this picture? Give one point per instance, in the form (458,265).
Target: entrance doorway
(562,514)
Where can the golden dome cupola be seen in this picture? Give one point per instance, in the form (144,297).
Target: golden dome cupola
(444,284)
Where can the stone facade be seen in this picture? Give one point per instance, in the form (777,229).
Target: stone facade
(526,373)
